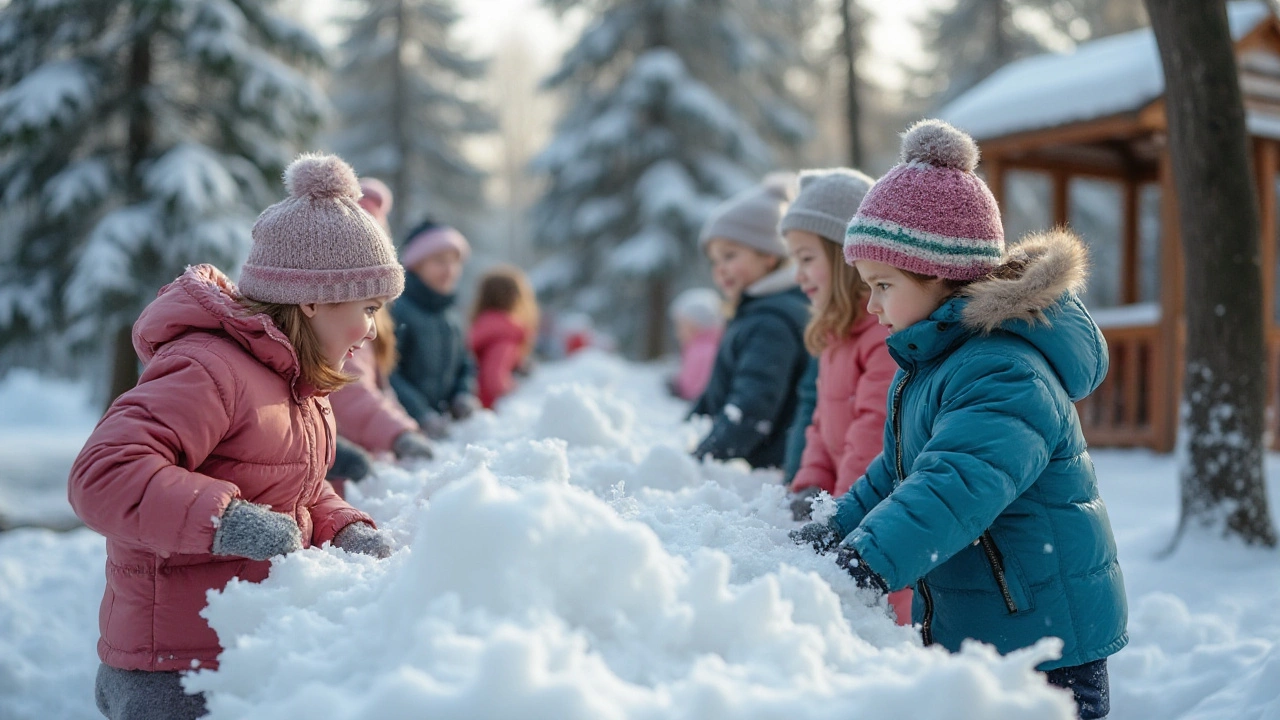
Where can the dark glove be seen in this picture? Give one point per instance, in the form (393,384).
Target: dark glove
(802,503)
(434,425)
(363,538)
(818,535)
(848,558)
(255,531)
(350,462)
(464,406)
(412,445)
(525,368)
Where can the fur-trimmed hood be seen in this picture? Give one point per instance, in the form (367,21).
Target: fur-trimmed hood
(1040,304)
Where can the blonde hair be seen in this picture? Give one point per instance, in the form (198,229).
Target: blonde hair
(506,289)
(296,326)
(845,306)
(385,355)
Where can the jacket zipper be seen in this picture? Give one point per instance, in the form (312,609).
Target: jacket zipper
(926,625)
(997,569)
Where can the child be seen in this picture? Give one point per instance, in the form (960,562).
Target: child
(751,394)
(984,496)
(215,461)
(699,323)
(504,322)
(434,378)
(854,366)
(367,411)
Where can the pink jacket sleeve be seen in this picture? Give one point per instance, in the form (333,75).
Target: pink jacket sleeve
(817,469)
(365,413)
(134,481)
(865,437)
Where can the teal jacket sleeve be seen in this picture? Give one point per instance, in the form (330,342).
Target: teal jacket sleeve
(992,437)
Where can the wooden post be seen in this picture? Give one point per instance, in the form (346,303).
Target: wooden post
(1129,289)
(995,179)
(1266,158)
(1061,198)
(1166,396)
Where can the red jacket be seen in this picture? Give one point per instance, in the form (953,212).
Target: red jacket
(848,422)
(498,343)
(367,411)
(220,412)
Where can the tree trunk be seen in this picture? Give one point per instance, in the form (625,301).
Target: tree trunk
(124,363)
(853,114)
(399,131)
(1224,387)
(656,331)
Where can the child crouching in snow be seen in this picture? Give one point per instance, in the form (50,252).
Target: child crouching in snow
(984,497)
(751,396)
(215,461)
(698,316)
(504,324)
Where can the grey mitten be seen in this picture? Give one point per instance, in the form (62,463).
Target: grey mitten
(802,503)
(363,538)
(464,406)
(411,445)
(819,536)
(255,531)
(350,462)
(435,425)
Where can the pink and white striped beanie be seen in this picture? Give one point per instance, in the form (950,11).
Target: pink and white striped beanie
(318,245)
(930,214)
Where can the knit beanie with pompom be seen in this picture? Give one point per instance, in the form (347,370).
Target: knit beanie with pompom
(318,245)
(930,214)
(376,199)
(751,217)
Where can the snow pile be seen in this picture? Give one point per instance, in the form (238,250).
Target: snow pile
(573,561)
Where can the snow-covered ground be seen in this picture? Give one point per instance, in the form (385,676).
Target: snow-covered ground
(566,558)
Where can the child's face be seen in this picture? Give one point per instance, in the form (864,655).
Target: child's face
(342,328)
(813,269)
(440,270)
(734,266)
(897,300)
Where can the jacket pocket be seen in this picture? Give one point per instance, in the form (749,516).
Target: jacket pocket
(1007,574)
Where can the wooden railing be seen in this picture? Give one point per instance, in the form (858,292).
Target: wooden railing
(1127,410)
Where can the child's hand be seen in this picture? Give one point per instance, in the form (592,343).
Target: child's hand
(435,425)
(464,406)
(849,559)
(802,503)
(363,538)
(350,462)
(410,445)
(818,535)
(255,532)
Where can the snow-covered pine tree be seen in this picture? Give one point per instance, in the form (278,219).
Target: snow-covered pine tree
(403,93)
(672,105)
(135,138)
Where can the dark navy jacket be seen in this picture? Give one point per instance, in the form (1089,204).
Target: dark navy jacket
(434,365)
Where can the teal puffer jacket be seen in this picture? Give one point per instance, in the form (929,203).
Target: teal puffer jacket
(985,497)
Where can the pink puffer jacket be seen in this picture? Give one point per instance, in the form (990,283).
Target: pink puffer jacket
(367,411)
(219,413)
(848,423)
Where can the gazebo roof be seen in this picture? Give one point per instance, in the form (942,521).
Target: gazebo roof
(1104,77)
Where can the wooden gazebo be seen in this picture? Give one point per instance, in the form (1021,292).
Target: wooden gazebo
(1098,113)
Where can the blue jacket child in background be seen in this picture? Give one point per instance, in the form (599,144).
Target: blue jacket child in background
(751,396)
(435,376)
(984,498)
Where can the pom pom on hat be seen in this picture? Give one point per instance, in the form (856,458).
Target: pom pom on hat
(321,177)
(936,143)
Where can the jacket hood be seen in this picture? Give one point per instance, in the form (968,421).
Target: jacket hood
(1040,304)
(203,299)
(493,326)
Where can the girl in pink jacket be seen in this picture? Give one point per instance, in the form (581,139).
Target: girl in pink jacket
(215,462)
(854,365)
(699,317)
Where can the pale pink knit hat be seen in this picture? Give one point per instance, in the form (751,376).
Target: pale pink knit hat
(318,245)
(376,198)
(430,238)
(930,214)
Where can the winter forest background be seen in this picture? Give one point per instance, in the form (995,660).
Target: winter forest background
(583,141)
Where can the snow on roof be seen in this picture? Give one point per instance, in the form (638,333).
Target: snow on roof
(1102,77)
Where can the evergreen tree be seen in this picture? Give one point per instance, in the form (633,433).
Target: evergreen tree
(135,138)
(401,93)
(672,106)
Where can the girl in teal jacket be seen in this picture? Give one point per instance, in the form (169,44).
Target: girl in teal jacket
(984,498)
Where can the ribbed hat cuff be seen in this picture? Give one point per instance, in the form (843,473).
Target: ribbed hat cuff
(289,286)
(975,269)
(821,224)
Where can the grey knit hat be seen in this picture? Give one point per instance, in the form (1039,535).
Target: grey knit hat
(751,217)
(828,199)
(318,245)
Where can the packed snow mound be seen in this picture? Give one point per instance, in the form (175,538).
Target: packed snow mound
(567,558)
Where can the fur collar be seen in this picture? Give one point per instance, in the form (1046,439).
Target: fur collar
(1056,261)
(784,278)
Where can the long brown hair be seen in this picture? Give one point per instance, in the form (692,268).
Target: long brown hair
(297,327)
(846,305)
(506,288)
